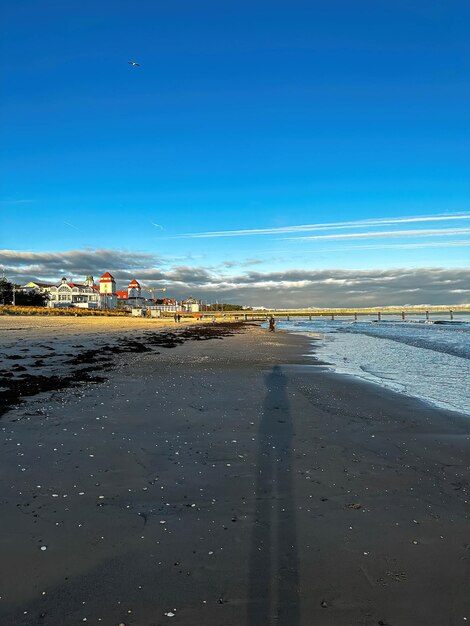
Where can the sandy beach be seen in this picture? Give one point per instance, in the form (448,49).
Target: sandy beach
(219,475)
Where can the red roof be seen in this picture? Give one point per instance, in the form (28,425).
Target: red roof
(121,294)
(134,283)
(107,275)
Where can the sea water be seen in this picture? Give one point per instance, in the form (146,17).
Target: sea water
(427,360)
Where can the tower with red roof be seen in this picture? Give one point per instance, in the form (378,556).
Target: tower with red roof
(108,297)
(107,284)
(134,290)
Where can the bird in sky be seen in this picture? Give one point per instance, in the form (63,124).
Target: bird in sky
(134,63)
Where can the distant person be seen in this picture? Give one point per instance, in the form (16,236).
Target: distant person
(176,318)
(179,317)
(213,319)
(272,324)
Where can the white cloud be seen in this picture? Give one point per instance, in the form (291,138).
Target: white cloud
(382,221)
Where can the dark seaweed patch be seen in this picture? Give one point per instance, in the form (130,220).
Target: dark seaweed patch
(14,390)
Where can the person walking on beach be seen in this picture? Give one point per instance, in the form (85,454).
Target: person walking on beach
(272,324)
(176,318)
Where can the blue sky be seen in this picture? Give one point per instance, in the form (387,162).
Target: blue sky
(254,116)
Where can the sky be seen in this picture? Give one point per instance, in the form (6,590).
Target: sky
(302,153)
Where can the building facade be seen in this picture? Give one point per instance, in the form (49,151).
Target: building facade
(85,295)
(89,295)
(191,305)
(132,297)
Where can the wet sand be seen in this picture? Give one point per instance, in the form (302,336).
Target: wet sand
(227,481)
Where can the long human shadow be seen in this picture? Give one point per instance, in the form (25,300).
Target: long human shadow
(273,595)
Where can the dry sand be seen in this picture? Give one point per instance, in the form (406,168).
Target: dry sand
(225,482)
(33,327)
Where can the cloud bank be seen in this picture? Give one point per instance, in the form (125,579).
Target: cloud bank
(291,288)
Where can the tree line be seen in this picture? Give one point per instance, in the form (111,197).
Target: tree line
(224,307)
(11,293)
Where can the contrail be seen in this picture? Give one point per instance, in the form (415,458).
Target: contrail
(72,226)
(428,232)
(383,221)
(405,246)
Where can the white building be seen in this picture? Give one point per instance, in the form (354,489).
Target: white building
(132,297)
(88,295)
(85,295)
(191,305)
(107,291)
(166,304)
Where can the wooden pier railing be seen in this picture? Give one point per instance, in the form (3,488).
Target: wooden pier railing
(444,312)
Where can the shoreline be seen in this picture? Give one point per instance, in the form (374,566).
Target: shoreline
(402,386)
(233,481)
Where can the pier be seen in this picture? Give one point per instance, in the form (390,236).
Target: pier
(427,313)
